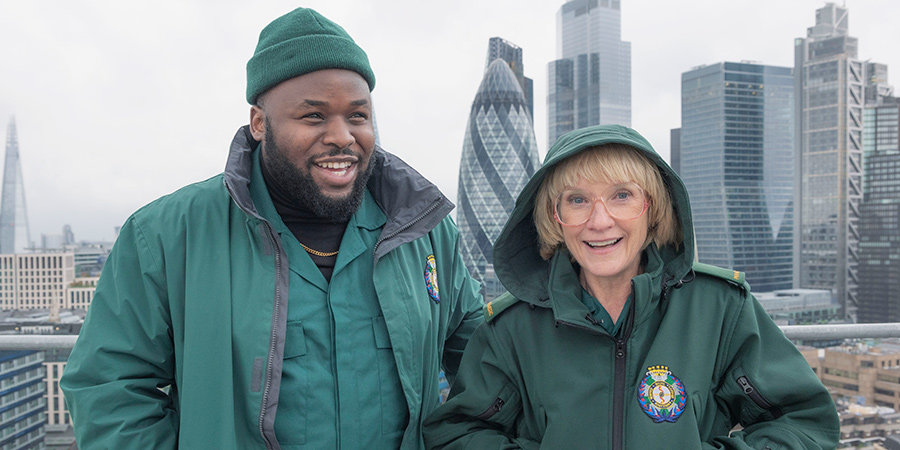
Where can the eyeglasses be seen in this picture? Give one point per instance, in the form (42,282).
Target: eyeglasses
(623,201)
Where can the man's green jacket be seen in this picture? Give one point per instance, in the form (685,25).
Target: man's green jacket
(184,340)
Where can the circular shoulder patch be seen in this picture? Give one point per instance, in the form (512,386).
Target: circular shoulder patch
(662,395)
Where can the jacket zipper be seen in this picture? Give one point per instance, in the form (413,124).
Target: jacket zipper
(757,398)
(491,410)
(619,395)
(619,379)
(272,340)
(618,371)
(267,379)
(434,205)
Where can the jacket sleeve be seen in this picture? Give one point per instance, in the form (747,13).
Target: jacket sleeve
(467,313)
(770,390)
(484,404)
(124,355)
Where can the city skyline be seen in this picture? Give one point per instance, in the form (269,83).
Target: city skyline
(113,112)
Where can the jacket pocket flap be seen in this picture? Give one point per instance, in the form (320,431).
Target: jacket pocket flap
(295,340)
(382,339)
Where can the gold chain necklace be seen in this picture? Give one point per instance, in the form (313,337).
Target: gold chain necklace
(318,253)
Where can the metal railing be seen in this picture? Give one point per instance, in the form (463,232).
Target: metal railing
(842,331)
(36,342)
(793,332)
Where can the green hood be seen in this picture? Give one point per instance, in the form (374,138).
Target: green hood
(517,259)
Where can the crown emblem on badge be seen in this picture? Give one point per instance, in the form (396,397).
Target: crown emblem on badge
(661,394)
(658,373)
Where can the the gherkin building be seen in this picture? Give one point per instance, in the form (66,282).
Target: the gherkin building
(499,156)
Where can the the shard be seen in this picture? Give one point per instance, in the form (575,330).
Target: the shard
(14,236)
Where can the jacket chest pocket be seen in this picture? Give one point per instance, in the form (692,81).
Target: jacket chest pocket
(291,418)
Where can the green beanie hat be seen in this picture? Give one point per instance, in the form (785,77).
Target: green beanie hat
(300,42)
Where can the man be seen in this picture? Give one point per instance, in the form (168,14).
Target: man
(305,298)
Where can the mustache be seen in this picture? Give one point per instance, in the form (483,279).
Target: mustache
(342,151)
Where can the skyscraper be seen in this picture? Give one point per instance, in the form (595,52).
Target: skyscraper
(499,156)
(590,82)
(830,87)
(499,48)
(736,150)
(14,235)
(675,149)
(879,246)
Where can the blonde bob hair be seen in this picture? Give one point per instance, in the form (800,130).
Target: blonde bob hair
(614,163)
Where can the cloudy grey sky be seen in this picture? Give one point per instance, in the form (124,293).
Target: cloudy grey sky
(118,103)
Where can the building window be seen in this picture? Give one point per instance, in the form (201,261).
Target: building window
(884,392)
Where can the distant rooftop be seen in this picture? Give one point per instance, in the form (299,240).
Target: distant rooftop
(870,347)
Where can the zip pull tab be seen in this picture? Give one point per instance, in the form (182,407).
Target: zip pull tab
(620,348)
(746,386)
(491,410)
(757,398)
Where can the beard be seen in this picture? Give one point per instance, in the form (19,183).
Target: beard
(302,190)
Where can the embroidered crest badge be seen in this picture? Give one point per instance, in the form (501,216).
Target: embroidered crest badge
(662,395)
(431,279)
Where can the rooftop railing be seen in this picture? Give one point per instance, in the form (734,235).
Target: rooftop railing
(793,332)
(36,342)
(842,331)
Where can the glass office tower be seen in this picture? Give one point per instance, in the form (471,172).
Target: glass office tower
(590,82)
(737,141)
(879,246)
(830,87)
(499,156)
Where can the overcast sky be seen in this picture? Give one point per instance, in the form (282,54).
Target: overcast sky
(118,103)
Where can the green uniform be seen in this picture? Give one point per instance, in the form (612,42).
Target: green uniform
(692,355)
(195,296)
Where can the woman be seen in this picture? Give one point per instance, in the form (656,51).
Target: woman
(611,337)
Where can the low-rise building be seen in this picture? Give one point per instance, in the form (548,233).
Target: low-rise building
(866,426)
(868,373)
(800,306)
(57,433)
(22,399)
(54,364)
(35,281)
(80,293)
